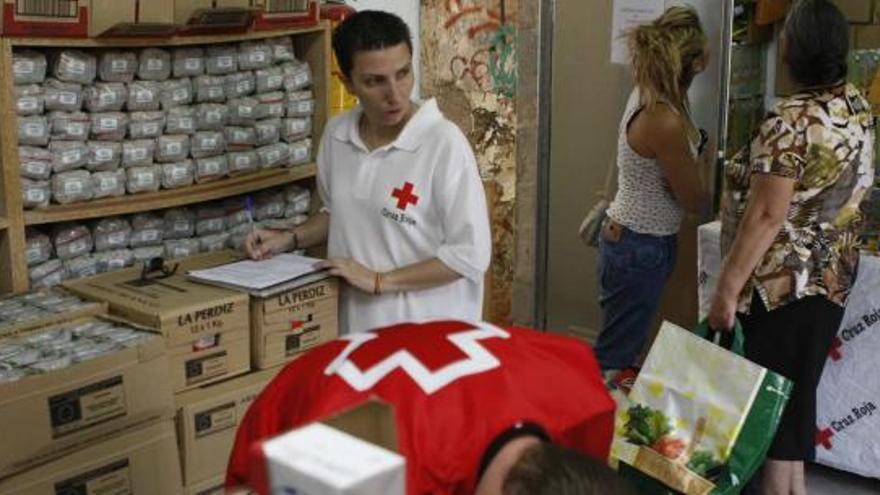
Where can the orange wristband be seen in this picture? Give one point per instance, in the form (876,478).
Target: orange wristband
(377,284)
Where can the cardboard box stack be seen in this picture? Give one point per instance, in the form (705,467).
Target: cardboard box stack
(78,18)
(88,404)
(205,327)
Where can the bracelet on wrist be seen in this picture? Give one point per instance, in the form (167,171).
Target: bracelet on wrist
(295,240)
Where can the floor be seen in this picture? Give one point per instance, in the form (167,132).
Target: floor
(822,480)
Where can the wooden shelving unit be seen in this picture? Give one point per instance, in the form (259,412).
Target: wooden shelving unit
(312,45)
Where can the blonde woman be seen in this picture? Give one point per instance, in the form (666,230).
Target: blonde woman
(661,156)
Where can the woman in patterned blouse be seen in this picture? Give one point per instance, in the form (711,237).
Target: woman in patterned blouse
(790,227)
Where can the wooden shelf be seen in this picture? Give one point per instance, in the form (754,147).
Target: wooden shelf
(170,198)
(164,42)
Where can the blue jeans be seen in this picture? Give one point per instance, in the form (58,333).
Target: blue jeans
(632,272)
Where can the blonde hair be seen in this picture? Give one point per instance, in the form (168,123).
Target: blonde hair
(662,55)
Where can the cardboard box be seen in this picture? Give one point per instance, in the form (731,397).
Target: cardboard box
(184,9)
(354,453)
(137,461)
(867,37)
(92,308)
(104,14)
(211,486)
(856,11)
(47,416)
(286,325)
(67,18)
(205,327)
(207,420)
(281,14)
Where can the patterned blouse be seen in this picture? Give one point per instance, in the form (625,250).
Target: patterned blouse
(824,140)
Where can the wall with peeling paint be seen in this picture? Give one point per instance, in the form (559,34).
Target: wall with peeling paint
(469,64)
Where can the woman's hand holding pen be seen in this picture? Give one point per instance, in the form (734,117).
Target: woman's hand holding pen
(262,244)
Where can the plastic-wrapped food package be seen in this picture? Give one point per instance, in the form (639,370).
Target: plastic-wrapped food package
(299,198)
(148,229)
(144,96)
(243,111)
(297,75)
(242,162)
(71,240)
(207,143)
(81,267)
(210,219)
(273,155)
(105,97)
(111,233)
(35,193)
(180,174)
(68,155)
(28,67)
(117,259)
(172,148)
(146,125)
(211,116)
(282,223)
(34,163)
(269,204)
(210,89)
(138,153)
(211,168)
(62,96)
(236,241)
(291,213)
(181,248)
(29,100)
(239,84)
(177,92)
(108,184)
(188,62)
(38,247)
(242,229)
(48,274)
(254,55)
(272,105)
(109,126)
(72,126)
(300,104)
(282,49)
(221,59)
(75,66)
(104,155)
(33,131)
(238,138)
(146,253)
(180,223)
(300,152)
(180,120)
(269,79)
(143,179)
(116,66)
(296,129)
(154,64)
(214,242)
(268,131)
(236,213)
(72,187)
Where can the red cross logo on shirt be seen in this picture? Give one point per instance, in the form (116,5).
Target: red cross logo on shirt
(823,438)
(834,353)
(405,196)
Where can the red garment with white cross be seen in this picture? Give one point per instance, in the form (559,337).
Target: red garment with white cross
(454,386)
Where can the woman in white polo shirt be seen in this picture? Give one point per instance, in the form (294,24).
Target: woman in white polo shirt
(404,214)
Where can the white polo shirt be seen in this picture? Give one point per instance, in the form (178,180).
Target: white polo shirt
(415,199)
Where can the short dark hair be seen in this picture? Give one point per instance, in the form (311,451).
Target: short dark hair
(817,38)
(368,30)
(548,469)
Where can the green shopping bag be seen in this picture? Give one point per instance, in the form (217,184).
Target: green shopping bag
(700,418)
